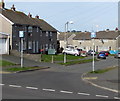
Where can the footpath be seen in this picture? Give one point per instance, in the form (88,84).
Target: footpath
(108,80)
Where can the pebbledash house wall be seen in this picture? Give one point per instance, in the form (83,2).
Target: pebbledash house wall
(100,45)
(6,27)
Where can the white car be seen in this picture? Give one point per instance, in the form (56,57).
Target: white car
(71,51)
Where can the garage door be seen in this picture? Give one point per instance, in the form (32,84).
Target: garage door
(3,46)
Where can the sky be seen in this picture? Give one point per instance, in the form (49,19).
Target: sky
(86,16)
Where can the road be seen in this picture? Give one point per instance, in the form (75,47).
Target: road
(57,82)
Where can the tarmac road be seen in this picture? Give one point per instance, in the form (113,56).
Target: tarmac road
(57,82)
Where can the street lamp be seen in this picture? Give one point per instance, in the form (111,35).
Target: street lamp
(65,38)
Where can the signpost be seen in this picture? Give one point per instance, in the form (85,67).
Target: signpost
(93,35)
(21,35)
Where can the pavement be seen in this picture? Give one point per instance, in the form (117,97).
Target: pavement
(108,80)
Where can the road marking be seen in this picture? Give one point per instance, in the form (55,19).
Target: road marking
(102,96)
(88,78)
(32,88)
(116,98)
(2,84)
(51,90)
(15,86)
(66,92)
(83,93)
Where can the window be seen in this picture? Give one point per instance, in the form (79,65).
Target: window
(30,45)
(25,29)
(50,33)
(24,46)
(29,29)
(47,33)
(37,29)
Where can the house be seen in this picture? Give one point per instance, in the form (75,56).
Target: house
(4,43)
(104,40)
(38,34)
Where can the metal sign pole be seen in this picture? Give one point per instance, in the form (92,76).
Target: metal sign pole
(21,52)
(93,57)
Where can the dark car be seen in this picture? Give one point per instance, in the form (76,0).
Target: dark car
(105,52)
(101,55)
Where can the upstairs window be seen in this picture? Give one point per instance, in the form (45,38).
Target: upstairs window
(37,29)
(29,29)
(47,33)
(50,33)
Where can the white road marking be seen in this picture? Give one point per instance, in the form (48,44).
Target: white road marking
(32,88)
(83,93)
(102,96)
(116,98)
(66,92)
(15,86)
(2,84)
(52,90)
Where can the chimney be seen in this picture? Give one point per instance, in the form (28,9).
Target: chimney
(29,15)
(116,30)
(2,4)
(107,30)
(13,7)
(37,17)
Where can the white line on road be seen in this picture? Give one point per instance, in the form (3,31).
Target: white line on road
(52,90)
(15,86)
(102,96)
(32,88)
(2,84)
(83,93)
(116,98)
(66,92)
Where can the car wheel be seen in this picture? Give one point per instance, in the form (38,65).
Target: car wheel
(75,54)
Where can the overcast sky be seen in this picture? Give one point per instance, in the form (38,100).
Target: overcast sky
(85,15)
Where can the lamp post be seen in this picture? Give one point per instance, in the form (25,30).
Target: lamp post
(65,38)
(93,35)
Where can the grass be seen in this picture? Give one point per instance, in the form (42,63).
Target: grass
(14,69)
(77,62)
(100,71)
(5,63)
(48,58)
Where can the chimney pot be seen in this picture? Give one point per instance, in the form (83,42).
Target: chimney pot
(37,16)
(2,4)
(29,15)
(13,7)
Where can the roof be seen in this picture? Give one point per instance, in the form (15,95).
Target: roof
(87,35)
(18,17)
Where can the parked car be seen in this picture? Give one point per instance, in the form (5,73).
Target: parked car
(117,55)
(71,51)
(91,52)
(83,53)
(105,52)
(101,55)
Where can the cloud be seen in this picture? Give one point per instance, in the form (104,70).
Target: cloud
(62,0)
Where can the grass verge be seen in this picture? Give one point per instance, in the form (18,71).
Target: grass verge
(5,63)
(48,58)
(100,71)
(77,62)
(15,69)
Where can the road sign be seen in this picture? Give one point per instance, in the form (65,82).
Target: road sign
(93,35)
(21,34)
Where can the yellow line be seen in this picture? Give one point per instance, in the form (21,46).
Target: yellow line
(3,72)
(90,78)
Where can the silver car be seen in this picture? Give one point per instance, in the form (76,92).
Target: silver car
(117,55)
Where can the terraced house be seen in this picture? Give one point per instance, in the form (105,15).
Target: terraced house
(104,40)
(38,34)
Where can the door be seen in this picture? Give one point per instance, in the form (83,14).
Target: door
(3,46)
